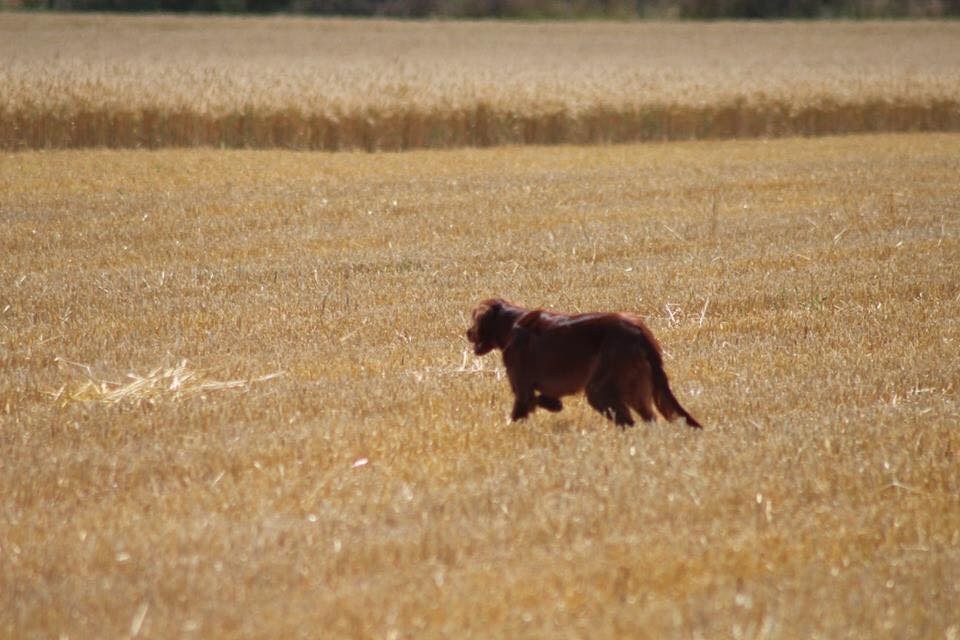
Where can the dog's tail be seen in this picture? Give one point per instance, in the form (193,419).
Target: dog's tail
(663,397)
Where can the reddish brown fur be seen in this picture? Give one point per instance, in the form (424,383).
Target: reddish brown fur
(612,356)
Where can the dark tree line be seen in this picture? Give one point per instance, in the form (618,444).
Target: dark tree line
(531,9)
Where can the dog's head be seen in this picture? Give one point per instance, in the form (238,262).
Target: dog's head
(483,332)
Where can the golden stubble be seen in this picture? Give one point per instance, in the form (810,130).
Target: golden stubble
(305,446)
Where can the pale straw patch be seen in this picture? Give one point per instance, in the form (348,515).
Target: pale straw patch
(161,383)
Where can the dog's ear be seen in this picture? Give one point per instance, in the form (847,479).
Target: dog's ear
(488,308)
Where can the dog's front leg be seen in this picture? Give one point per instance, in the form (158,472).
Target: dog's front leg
(524,397)
(521,409)
(521,383)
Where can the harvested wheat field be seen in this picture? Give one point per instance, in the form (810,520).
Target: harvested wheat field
(306,83)
(236,398)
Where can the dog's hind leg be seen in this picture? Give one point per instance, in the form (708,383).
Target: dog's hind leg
(604,396)
(637,387)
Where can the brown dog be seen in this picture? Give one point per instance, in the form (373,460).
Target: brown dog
(614,356)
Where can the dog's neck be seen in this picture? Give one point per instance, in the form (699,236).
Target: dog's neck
(503,325)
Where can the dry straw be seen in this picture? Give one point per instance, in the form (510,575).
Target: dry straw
(162,383)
